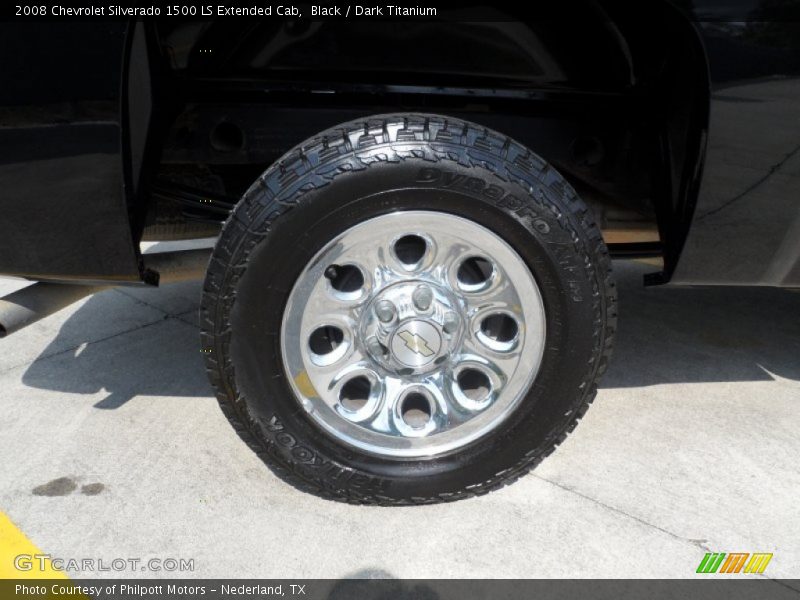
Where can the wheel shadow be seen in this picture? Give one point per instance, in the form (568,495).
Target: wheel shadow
(157,356)
(698,335)
(376,584)
(666,335)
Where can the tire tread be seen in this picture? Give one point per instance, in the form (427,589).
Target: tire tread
(336,151)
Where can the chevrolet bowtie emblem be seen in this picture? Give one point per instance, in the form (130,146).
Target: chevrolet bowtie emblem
(416,343)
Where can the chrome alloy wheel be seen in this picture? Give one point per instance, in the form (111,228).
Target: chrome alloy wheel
(412,334)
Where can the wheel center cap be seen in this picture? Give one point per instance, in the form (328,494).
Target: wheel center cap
(416,343)
(411,327)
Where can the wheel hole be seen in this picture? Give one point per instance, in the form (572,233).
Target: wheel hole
(475,273)
(355,393)
(416,410)
(474,384)
(500,328)
(345,278)
(410,250)
(325,340)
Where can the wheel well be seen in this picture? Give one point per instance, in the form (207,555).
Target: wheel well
(620,108)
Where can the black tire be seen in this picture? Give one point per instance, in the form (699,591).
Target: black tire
(366,168)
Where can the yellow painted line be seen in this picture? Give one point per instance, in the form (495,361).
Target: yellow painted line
(13,543)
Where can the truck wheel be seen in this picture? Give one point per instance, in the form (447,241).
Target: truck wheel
(407,309)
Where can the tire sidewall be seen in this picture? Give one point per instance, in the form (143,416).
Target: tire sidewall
(523,213)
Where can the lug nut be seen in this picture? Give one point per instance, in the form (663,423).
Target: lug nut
(375,347)
(450,323)
(385,311)
(422,297)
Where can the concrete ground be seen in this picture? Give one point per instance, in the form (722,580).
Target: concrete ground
(112,445)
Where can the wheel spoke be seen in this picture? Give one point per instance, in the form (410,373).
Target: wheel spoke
(328,374)
(446,255)
(455,412)
(383,420)
(376,262)
(500,295)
